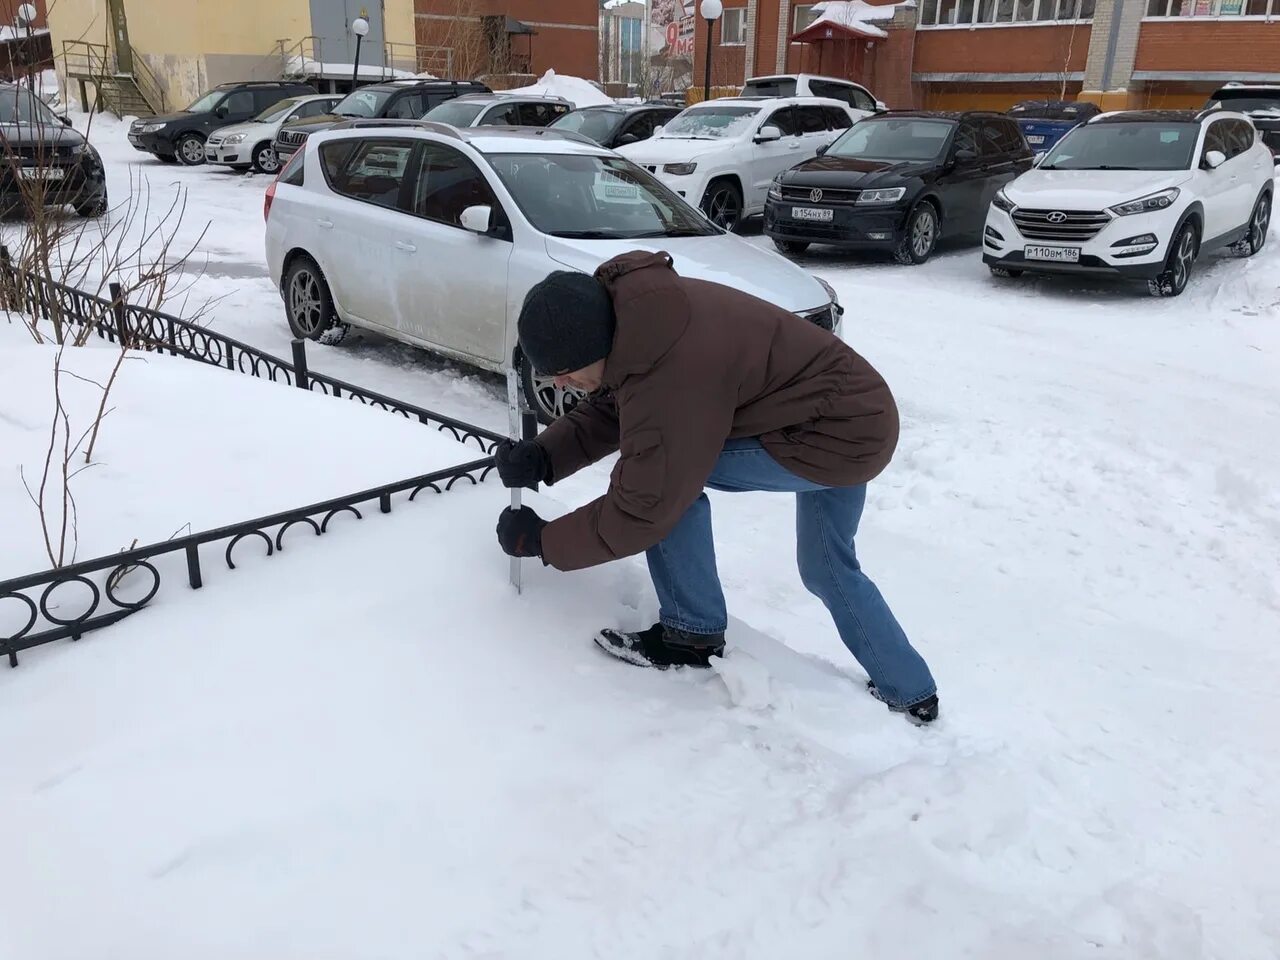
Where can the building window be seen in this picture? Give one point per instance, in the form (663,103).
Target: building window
(733,26)
(802,15)
(1213,8)
(981,13)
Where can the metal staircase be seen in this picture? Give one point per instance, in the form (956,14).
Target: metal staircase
(134,92)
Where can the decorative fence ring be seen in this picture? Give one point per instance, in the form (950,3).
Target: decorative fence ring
(44,598)
(31,606)
(426,486)
(280,533)
(461,476)
(324,527)
(132,604)
(240,536)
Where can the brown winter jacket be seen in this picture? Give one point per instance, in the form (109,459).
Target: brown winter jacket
(693,364)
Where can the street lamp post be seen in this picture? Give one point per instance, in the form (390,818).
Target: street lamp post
(360,27)
(711,11)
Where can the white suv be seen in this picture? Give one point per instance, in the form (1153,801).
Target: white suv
(1136,194)
(433,236)
(722,155)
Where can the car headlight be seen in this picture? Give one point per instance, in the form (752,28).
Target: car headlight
(1002,202)
(831,292)
(151,127)
(234,138)
(1148,204)
(887,195)
(679,169)
(775,188)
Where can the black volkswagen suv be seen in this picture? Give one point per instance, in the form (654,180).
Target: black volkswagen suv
(179,137)
(898,182)
(393,100)
(43,162)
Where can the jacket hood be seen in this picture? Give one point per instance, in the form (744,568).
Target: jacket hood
(720,258)
(639,343)
(829,171)
(1089,189)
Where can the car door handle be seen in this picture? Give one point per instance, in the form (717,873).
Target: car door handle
(406,247)
(324,223)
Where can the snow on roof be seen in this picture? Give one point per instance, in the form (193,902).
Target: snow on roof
(856,15)
(9,32)
(577,91)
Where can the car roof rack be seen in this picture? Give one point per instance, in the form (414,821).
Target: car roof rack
(370,123)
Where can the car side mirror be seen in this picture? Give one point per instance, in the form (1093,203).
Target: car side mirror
(627,138)
(965,156)
(1039,158)
(657,131)
(1214,159)
(66,121)
(881,107)
(768,133)
(823,149)
(477,219)
(221,112)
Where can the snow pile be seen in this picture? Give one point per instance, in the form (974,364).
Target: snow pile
(856,15)
(577,91)
(187,446)
(307,67)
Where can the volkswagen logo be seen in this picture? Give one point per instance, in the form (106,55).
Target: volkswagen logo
(815,196)
(1057,217)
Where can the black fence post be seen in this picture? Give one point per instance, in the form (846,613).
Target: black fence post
(193,567)
(121,315)
(170,337)
(6,278)
(301,379)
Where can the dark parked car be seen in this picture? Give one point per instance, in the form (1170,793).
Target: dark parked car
(898,182)
(615,125)
(1260,102)
(1045,122)
(394,100)
(180,136)
(43,161)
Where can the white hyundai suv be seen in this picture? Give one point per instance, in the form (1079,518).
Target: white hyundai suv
(1138,195)
(433,236)
(722,155)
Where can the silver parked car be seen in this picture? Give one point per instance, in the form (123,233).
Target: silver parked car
(242,146)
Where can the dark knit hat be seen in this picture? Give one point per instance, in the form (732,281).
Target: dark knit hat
(566,323)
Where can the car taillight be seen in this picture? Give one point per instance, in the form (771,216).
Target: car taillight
(271,195)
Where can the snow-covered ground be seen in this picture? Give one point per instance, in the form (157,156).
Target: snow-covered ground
(372,748)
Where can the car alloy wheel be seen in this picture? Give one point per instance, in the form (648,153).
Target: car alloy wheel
(306,305)
(924,233)
(191,150)
(723,206)
(1259,223)
(1177,273)
(265,159)
(547,401)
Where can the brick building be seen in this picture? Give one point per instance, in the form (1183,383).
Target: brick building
(468,38)
(991,53)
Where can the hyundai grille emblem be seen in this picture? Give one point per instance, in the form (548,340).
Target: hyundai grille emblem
(1057,217)
(815,196)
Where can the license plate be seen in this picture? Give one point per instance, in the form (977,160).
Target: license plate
(41,173)
(811,213)
(1034,139)
(1060,254)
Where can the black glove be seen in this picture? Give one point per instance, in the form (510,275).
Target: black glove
(520,532)
(522,464)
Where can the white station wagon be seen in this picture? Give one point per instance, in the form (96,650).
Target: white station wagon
(433,236)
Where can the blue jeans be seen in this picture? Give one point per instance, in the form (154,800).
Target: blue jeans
(683,567)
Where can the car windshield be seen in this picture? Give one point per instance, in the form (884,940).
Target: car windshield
(1125,146)
(362,103)
(595,198)
(20,106)
(893,140)
(596,124)
(710,123)
(459,113)
(1248,101)
(207,102)
(277,111)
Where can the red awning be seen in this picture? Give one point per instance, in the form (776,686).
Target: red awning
(830,30)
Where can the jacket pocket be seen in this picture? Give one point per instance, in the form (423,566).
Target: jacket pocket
(640,476)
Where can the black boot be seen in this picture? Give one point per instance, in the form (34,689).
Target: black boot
(662,647)
(926,711)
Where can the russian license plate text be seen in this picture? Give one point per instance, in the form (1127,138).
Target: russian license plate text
(811,213)
(1060,254)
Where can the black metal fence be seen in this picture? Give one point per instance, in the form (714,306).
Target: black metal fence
(38,595)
